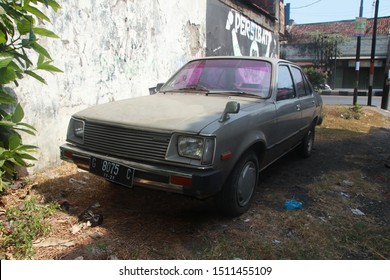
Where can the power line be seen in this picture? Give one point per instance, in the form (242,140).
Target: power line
(308,5)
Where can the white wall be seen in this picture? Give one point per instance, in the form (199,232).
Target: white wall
(109,50)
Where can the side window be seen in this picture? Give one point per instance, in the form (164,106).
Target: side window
(299,82)
(285,84)
(309,87)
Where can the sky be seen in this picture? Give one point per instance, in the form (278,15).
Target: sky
(313,11)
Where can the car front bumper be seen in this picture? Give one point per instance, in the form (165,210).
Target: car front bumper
(199,183)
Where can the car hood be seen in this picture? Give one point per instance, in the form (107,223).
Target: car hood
(172,112)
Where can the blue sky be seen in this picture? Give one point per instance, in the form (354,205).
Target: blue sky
(312,11)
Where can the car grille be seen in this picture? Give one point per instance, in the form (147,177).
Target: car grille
(126,143)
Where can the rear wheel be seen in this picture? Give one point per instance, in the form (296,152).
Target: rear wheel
(307,144)
(237,193)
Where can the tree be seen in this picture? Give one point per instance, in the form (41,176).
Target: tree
(315,76)
(19,37)
(326,51)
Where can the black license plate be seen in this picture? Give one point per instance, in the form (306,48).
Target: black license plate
(112,171)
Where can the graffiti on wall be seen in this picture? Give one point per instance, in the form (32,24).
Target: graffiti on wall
(229,32)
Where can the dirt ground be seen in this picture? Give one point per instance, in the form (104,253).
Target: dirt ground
(145,224)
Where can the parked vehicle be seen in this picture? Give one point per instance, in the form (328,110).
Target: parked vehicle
(208,131)
(325,87)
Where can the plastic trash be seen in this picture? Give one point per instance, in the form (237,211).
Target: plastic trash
(292,204)
(344,194)
(89,216)
(64,204)
(357,212)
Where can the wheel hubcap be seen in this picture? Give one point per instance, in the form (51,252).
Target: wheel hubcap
(246,183)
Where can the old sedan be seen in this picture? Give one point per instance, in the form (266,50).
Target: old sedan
(208,131)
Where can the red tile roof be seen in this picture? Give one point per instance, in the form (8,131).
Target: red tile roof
(299,32)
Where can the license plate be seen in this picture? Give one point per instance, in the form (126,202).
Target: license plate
(112,171)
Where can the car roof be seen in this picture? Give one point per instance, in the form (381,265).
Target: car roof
(271,60)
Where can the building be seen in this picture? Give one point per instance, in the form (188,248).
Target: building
(306,45)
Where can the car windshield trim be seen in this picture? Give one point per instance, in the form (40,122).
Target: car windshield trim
(237,93)
(218,92)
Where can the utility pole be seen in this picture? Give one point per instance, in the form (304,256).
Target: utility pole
(372,61)
(357,65)
(335,63)
(386,84)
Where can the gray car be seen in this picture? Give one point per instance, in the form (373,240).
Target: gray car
(208,131)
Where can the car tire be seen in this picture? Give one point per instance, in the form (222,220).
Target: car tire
(238,191)
(306,147)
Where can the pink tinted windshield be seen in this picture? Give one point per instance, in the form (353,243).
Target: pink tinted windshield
(224,75)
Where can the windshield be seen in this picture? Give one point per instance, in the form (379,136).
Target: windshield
(223,75)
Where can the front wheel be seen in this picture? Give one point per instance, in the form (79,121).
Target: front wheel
(237,193)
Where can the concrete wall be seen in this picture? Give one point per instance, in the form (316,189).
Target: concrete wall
(109,50)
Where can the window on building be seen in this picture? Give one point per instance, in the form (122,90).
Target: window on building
(266,6)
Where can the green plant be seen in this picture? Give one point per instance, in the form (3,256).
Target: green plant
(354,112)
(18,41)
(12,151)
(315,76)
(22,225)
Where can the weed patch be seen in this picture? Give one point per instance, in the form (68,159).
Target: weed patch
(21,225)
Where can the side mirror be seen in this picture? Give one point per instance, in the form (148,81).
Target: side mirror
(232,107)
(154,90)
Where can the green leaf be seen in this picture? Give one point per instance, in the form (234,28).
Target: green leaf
(7,123)
(49,67)
(18,114)
(29,126)
(14,66)
(32,36)
(39,49)
(28,148)
(25,130)
(36,12)
(6,98)
(18,160)
(3,38)
(45,32)
(23,26)
(14,141)
(7,75)
(5,59)
(53,4)
(27,156)
(2,11)
(36,76)
(41,58)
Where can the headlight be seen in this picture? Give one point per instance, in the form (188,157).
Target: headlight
(198,148)
(76,131)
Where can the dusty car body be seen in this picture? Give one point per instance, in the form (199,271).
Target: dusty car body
(208,131)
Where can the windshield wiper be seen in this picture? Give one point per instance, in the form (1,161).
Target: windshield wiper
(237,93)
(194,87)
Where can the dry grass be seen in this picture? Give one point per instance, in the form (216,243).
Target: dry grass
(345,173)
(349,120)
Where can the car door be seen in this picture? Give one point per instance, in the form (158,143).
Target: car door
(288,110)
(305,97)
